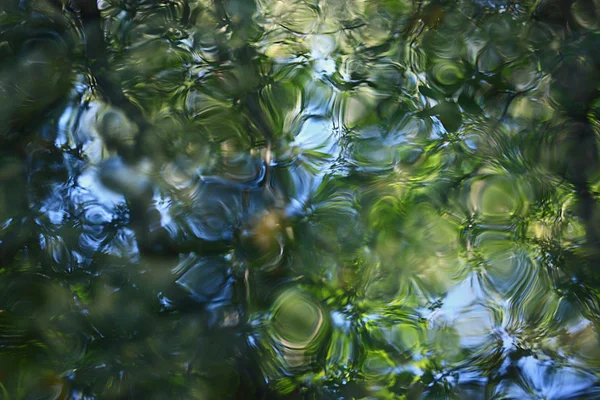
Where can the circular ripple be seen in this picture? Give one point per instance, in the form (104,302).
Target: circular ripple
(299,328)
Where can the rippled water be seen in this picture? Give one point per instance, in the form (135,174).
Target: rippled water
(299,199)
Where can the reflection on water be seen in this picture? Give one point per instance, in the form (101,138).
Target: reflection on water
(296,199)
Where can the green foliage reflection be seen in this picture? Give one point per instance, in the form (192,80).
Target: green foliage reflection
(299,199)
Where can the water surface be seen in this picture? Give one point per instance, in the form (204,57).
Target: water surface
(299,199)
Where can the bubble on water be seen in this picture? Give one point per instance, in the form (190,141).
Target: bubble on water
(343,350)
(299,327)
(122,178)
(448,73)
(507,268)
(522,78)
(321,46)
(296,320)
(58,251)
(586,13)
(378,367)
(263,240)
(97,214)
(372,155)
(317,142)
(498,197)
(115,127)
(297,17)
(547,381)
(489,60)
(410,82)
(202,277)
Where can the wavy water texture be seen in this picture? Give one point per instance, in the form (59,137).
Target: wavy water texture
(296,199)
